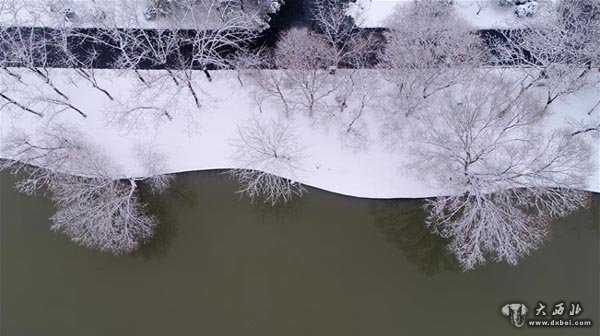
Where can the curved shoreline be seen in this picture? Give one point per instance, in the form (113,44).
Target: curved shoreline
(222,172)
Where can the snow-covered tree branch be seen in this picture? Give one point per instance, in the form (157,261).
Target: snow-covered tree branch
(97,207)
(429,48)
(32,49)
(505,176)
(558,49)
(355,47)
(304,77)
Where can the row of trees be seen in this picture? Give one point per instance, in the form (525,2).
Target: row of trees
(159,14)
(478,133)
(97,205)
(208,37)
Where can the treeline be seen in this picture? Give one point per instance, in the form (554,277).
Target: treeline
(57,48)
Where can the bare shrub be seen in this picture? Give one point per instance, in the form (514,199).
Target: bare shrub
(270,157)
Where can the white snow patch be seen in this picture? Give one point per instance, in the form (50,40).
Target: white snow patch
(116,14)
(482,14)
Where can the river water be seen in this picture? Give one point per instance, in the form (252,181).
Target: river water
(325,265)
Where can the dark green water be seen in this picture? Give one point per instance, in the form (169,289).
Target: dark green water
(327,265)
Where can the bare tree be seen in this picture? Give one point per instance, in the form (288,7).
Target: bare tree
(505,177)
(301,81)
(102,214)
(557,49)
(163,97)
(270,157)
(185,55)
(32,49)
(146,14)
(255,12)
(333,23)
(302,76)
(305,59)
(189,35)
(267,84)
(355,50)
(96,206)
(429,48)
(28,94)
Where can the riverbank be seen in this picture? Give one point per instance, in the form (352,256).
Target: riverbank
(203,139)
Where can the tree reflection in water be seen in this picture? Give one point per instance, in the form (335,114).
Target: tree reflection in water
(582,216)
(403,224)
(280,211)
(160,205)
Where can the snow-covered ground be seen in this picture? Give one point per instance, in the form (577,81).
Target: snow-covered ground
(328,163)
(483,14)
(118,14)
(130,13)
